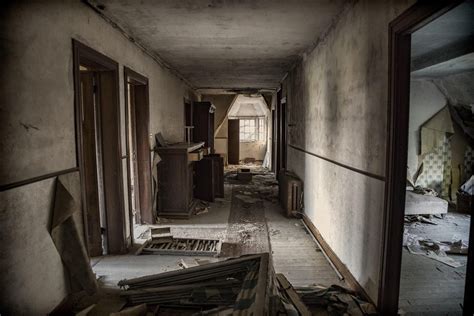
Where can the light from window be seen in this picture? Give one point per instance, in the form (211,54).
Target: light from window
(252,129)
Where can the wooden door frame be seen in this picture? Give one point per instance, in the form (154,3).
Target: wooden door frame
(284,132)
(84,55)
(146,215)
(400,31)
(278,133)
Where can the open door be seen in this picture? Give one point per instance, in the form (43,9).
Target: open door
(138,148)
(90,140)
(234,141)
(98,139)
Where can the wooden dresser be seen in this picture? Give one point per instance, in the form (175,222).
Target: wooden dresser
(175,178)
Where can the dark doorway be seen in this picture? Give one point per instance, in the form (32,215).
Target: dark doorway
(138,148)
(400,35)
(98,141)
(234,142)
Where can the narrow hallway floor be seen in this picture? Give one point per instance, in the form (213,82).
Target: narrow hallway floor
(249,219)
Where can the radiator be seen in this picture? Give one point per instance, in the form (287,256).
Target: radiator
(291,191)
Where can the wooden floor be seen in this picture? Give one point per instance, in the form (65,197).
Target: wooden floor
(249,214)
(295,253)
(429,287)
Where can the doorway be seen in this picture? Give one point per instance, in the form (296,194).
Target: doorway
(138,149)
(98,141)
(402,187)
(234,141)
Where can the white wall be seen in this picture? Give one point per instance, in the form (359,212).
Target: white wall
(38,133)
(337,105)
(255,150)
(425,101)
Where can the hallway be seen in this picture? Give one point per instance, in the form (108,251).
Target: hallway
(251,157)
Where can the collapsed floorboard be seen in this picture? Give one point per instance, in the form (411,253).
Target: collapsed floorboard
(181,246)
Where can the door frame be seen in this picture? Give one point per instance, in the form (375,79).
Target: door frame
(116,240)
(400,31)
(143,147)
(278,133)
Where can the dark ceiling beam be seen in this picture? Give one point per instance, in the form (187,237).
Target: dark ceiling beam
(443,54)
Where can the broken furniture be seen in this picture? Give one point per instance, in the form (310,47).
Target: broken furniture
(246,285)
(181,246)
(175,178)
(237,285)
(424,204)
(290,192)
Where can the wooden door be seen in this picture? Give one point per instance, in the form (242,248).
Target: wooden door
(112,162)
(90,143)
(233,142)
(143,153)
(133,185)
(284,142)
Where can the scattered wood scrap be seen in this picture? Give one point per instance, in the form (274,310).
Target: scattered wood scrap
(236,285)
(292,295)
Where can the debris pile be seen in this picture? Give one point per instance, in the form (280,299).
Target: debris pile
(436,250)
(234,285)
(245,286)
(336,300)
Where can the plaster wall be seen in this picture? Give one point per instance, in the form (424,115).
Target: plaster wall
(255,150)
(337,109)
(425,101)
(38,131)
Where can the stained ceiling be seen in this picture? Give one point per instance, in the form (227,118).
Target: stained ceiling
(224,43)
(445,46)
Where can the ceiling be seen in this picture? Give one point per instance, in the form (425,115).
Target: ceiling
(224,43)
(455,26)
(445,46)
(453,66)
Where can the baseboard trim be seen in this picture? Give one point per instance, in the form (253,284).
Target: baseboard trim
(341,267)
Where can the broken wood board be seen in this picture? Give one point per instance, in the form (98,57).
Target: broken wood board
(236,286)
(292,295)
(181,246)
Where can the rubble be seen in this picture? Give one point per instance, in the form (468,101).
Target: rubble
(246,285)
(436,250)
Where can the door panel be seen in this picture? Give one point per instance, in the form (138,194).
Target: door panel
(112,169)
(92,208)
(143,153)
(234,142)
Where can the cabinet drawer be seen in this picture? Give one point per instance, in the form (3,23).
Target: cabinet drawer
(196,155)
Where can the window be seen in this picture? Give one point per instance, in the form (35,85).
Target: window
(252,129)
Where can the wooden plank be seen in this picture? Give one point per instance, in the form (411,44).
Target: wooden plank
(294,297)
(341,267)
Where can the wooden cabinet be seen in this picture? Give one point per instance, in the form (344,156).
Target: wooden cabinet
(175,180)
